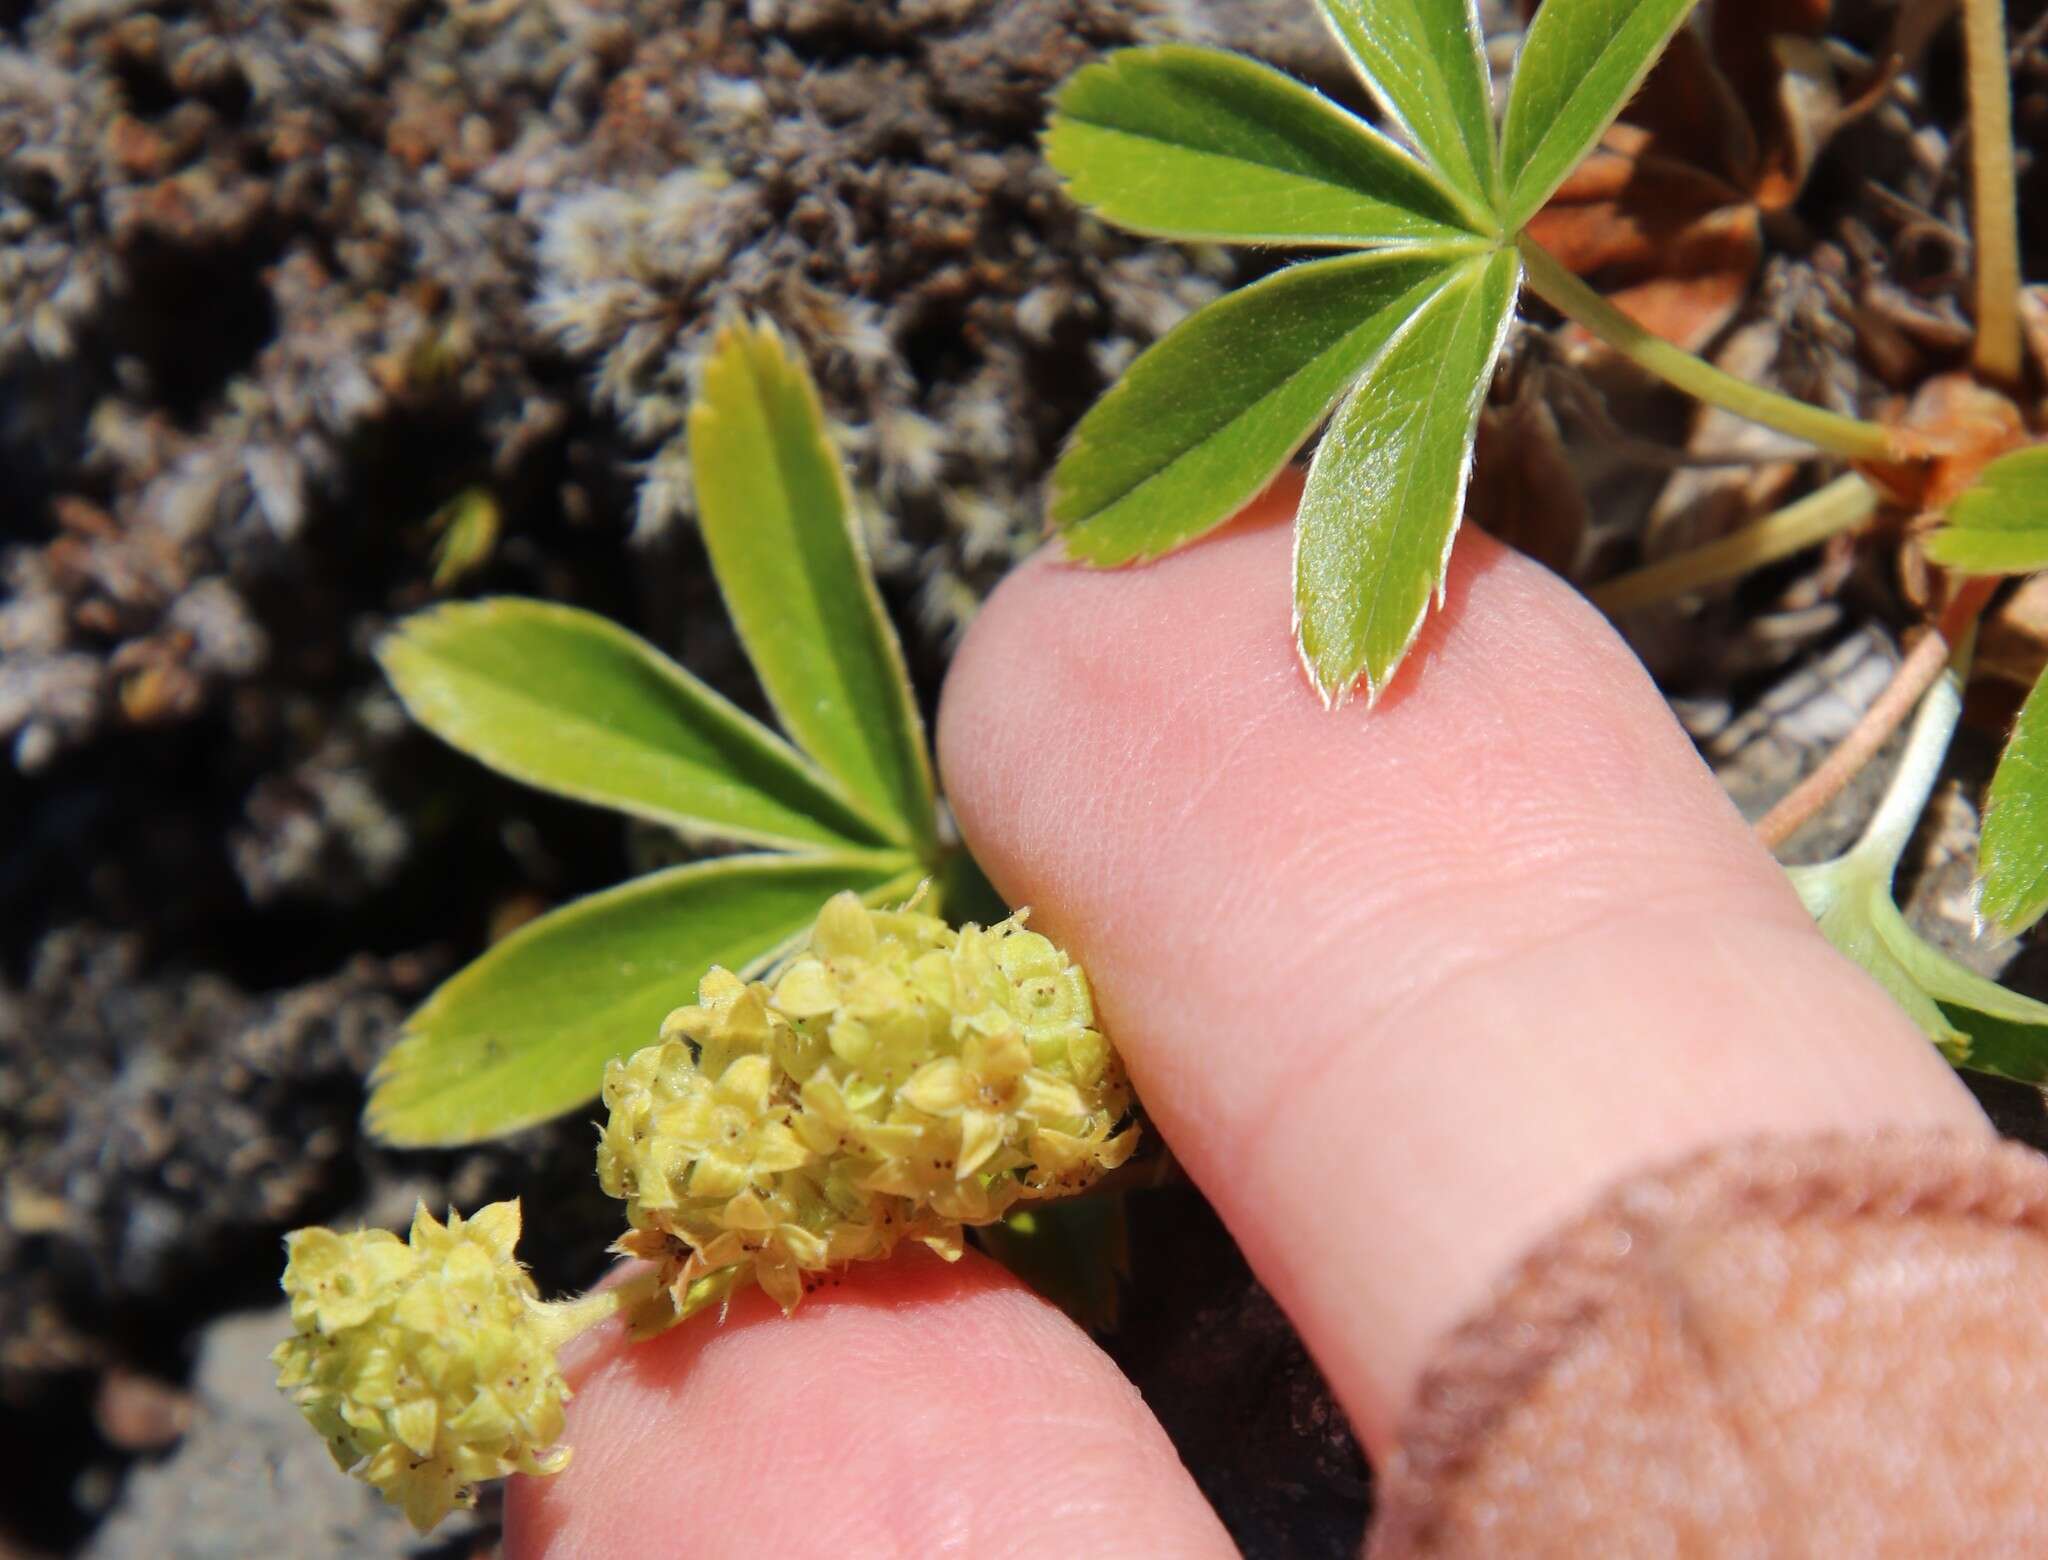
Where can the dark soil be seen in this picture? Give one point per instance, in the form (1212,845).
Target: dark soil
(277,282)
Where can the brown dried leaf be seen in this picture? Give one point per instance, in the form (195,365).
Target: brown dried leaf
(1966,424)
(1666,214)
(1523,488)
(1672,245)
(1768,52)
(2012,645)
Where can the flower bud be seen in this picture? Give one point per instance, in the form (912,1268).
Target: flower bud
(893,1079)
(426,1364)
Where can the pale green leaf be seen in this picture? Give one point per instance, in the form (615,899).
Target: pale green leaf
(523,1034)
(2000,525)
(1387,486)
(1852,905)
(779,525)
(1425,61)
(572,703)
(1947,980)
(1194,143)
(1581,62)
(2014,849)
(1851,900)
(1202,421)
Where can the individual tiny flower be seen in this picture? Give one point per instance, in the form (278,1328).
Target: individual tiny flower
(894,1079)
(427,1364)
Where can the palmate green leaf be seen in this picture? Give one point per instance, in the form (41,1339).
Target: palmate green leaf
(1191,143)
(1581,62)
(778,522)
(2014,848)
(1425,61)
(1387,486)
(1202,421)
(572,703)
(523,1033)
(2000,525)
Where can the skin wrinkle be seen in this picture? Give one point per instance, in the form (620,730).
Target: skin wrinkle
(1371,882)
(1489,807)
(1395,1026)
(1599,1122)
(1393,1023)
(1524,824)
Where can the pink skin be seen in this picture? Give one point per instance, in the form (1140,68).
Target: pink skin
(1404,987)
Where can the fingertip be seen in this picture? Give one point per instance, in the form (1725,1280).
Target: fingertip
(908,1407)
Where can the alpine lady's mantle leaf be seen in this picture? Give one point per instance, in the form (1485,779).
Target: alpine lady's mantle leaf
(778,523)
(2015,846)
(523,1033)
(1580,64)
(1425,62)
(1387,486)
(1192,143)
(572,703)
(2000,524)
(1201,422)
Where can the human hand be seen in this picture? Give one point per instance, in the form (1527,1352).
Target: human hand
(1404,988)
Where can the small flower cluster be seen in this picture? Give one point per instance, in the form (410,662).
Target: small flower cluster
(427,1364)
(896,1079)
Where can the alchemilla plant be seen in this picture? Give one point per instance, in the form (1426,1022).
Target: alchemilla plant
(1389,347)
(427,1364)
(786,1088)
(894,1080)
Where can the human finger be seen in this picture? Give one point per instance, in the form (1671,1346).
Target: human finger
(1405,986)
(908,1408)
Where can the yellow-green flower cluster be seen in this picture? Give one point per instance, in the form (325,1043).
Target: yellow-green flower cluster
(427,1364)
(896,1079)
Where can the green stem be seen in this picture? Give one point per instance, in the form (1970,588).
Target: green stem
(1994,193)
(1845,502)
(1829,430)
(560,1320)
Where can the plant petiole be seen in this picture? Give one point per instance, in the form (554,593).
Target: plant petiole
(1994,202)
(560,1320)
(1846,436)
(1843,504)
(1905,795)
